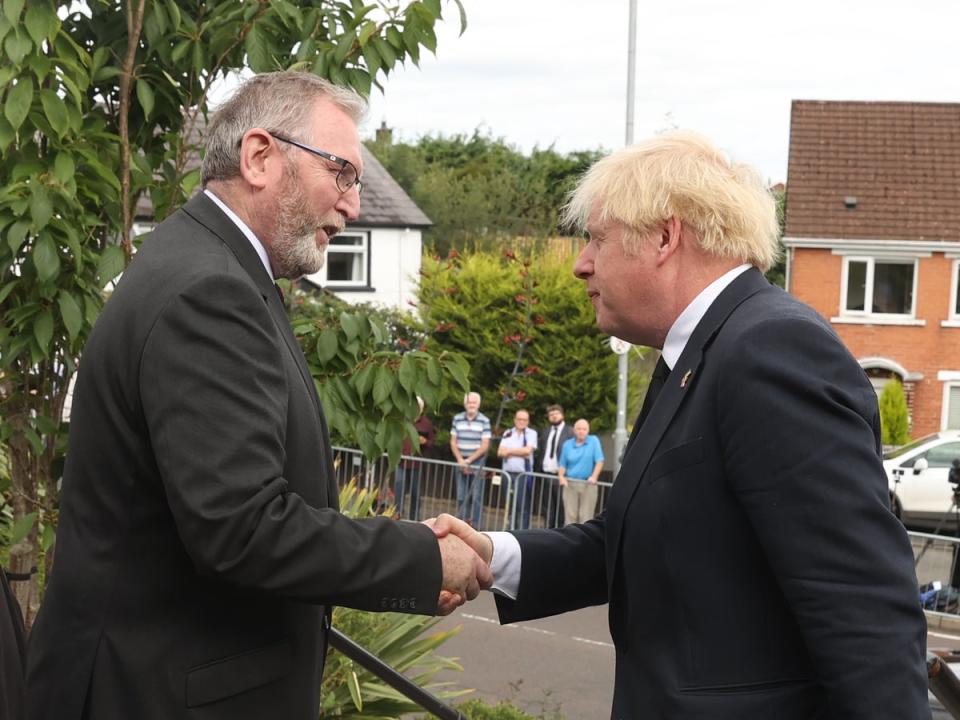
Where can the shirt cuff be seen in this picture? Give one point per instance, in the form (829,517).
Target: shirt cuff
(505,564)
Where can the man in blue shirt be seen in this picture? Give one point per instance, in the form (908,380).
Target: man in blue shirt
(581,461)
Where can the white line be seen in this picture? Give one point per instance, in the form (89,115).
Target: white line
(530,628)
(592,642)
(943,635)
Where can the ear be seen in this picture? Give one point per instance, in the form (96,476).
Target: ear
(670,240)
(261,160)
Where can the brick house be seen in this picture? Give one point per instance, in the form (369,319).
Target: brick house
(872,237)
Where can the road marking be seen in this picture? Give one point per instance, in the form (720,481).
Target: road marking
(943,635)
(541,631)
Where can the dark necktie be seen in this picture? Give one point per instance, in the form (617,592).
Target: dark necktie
(552,448)
(526,460)
(660,374)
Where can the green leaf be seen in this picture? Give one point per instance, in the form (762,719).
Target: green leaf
(384,384)
(7,134)
(344,46)
(41,207)
(12,9)
(408,373)
(22,527)
(112,262)
(258,53)
(463,16)
(327,345)
(371,57)
(145,96)
(8,288)
(369,28)
(17,234)
(434,7)
(458,373)
(56,111)
(433,371)
(43,329)
(395,38)
(64,167)
(70,312)
(49,537)
(350,325)
(18,101)
(17,45)
(363,380)
(174,11)
(359,80)
(46,259)
(42,23)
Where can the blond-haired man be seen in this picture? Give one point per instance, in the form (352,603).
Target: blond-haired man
(747,551)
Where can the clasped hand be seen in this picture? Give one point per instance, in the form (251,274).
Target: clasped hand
(465,555)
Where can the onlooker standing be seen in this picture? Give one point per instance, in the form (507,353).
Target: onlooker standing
(517,447)
(469,441)
(581,461)
(554,436)
(408,471)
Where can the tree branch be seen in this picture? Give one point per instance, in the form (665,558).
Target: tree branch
(134,28)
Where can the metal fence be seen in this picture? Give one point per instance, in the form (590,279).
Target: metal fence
(510,501)
(938,571)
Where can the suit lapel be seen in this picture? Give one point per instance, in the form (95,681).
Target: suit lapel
(680,384)
(204,211)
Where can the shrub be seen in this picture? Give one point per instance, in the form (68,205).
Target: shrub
(894,419)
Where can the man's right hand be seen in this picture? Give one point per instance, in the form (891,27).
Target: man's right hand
(465,573)
(446,525)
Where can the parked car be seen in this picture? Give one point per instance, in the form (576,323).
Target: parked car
(920,493)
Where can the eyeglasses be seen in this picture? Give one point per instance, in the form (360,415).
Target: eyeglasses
(348,176)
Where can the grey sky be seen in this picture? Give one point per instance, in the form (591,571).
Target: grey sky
(537,72)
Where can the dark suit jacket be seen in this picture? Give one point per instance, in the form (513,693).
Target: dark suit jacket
(200,545)
(752,566)
(544,436)
(13,653)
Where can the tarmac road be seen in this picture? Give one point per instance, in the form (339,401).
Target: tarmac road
(560,667)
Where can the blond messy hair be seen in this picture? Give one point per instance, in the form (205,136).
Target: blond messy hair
(681,175)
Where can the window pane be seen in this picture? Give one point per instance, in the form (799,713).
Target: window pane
(892,288)
(953,408)
(942,455)
(347,240)
(344,267)
(956,300)
(856,284)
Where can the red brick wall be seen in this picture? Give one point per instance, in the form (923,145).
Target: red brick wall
(815,277)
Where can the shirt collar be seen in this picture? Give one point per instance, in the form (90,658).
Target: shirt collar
(686,323)
(247,232)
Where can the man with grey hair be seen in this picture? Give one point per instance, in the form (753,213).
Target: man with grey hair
(747,551)
(200,548)
(469,441)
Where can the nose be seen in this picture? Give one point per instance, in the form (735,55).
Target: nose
(349,204)
(583,267)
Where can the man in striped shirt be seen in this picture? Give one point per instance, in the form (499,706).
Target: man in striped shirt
(469,441)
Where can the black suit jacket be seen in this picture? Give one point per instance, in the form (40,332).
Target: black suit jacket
(751,563)
(200,546)
(544,436)
(13,653)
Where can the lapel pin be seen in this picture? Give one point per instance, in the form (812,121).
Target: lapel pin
(686,377)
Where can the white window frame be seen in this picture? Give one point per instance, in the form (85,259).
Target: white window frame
(867,312)
(365,261)
(952,314)
(950,380)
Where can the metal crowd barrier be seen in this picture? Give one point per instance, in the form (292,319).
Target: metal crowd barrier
(504,504)
(937,562)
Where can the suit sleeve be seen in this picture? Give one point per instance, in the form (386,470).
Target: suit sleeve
(799,426)
(215,397)
(560,570)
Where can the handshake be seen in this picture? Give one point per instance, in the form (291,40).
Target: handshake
(465,555)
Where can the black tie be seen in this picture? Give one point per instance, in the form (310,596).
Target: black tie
(660,374)
(552,450)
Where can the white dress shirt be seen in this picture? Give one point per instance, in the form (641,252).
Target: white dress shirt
(247,232)
(553,443)
(505,564)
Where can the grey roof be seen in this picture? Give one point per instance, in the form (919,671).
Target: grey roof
(384,203)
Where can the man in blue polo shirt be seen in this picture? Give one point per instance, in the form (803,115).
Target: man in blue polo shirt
(469,441)
(581,461)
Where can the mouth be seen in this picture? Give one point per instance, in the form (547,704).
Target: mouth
(593,295)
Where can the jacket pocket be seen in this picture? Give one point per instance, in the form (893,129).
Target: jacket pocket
(676,458)
(733,688)
(236,674)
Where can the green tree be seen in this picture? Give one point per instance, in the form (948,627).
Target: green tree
(478,190)
(487,306)
(101,102)
(894,417)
